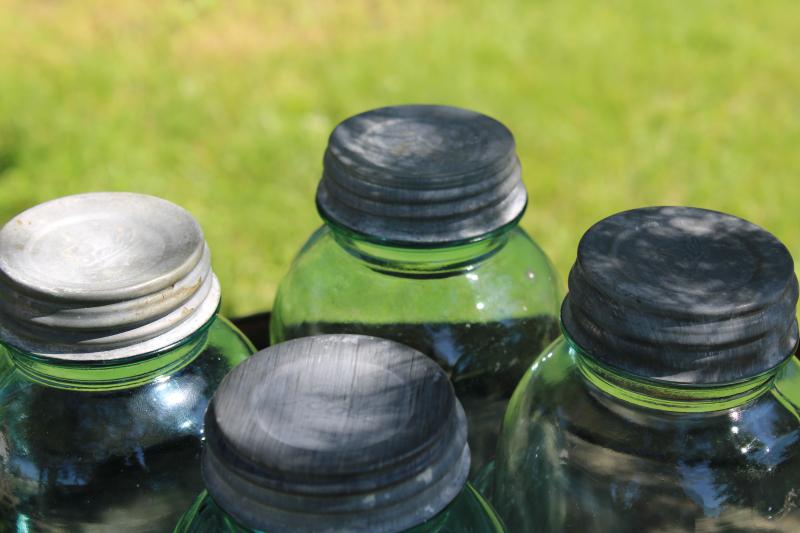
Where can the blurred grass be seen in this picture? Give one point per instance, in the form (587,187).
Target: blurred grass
(225,107)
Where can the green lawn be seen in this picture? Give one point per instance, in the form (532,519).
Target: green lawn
(225,107)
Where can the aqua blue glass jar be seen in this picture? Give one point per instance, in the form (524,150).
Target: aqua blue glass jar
(110,348)
(421,244)
(337,433)
(672,400)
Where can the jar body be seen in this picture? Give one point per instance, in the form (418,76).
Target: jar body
(117,454)
(575,457)
(467,513)
(482,318)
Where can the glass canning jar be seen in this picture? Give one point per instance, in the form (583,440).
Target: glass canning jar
(337,433)
(421,245)
(671,402)
(110,348)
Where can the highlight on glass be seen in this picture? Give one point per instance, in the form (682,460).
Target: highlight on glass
(670,403)
(422,245)
(111,346)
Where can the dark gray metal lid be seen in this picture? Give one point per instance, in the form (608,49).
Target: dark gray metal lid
(683,295)
(422,175)
(335,433)
(101,276)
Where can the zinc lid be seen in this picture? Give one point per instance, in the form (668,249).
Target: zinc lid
(104,275)
(335,433)
(683,295)
(421,175)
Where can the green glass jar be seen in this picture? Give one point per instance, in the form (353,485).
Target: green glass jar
(672,400)
(110,349)
(421,245)
(337,433)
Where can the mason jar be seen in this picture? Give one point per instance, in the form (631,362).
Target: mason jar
(422,245)
(110,348)
(337,433)
(670,402)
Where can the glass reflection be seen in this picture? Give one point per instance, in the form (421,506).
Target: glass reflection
(578,456)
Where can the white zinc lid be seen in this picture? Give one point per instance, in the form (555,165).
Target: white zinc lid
(103,276)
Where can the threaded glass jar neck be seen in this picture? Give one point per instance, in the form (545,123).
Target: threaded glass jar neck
(421,261)
(113,374)
(666,396)
(440,522)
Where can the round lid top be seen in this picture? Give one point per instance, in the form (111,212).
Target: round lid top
(100,246)
(102,275)
(348,432)
(682,294)
(421,175)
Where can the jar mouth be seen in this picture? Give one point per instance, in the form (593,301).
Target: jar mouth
(114,374)
(666,395)
(389,242)
(421,262)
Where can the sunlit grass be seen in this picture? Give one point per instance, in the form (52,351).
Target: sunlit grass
(225,107)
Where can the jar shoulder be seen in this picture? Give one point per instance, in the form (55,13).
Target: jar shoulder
(588,458)
(205,516)
(326,283)
(105,422)
(553,391)
(322,250)
(74,459)
(467,513)
(229,341)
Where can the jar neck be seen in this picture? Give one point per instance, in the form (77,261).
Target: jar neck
(421,261)
(111,375)
(665,396)
(432,525)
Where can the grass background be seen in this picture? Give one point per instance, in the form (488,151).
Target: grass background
(225,107)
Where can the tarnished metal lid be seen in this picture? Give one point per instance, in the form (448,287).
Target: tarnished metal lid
(335,433)
(421,175)
(683,295)
(101,276)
